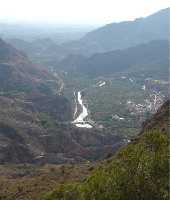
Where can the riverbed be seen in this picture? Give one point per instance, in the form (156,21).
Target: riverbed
(80,120)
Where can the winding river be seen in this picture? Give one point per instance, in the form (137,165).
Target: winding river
(80,120)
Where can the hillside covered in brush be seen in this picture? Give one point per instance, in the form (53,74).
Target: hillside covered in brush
(138,171)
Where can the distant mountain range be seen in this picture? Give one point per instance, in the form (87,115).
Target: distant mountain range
(149,58)
(45,51)
(124,35)
(114,36)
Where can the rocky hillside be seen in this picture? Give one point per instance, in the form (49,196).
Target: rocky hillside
(17,73)
(33,131)
(138,171)
(35,122)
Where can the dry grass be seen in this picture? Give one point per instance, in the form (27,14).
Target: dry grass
(27,182)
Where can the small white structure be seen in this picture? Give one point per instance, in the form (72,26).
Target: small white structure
(117,117)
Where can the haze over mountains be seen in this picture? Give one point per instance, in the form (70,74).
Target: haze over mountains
(34,91)
(29,32)
(125,34)
(147,58)
(113,79)
(107,38)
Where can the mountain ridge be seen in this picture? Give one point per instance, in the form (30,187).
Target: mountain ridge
(121,60)
(110,37)
(124,34)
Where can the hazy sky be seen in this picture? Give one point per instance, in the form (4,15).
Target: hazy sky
(78,11)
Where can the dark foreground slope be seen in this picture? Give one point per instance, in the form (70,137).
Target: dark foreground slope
(138,171)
